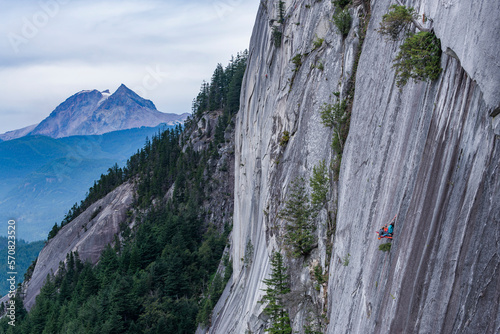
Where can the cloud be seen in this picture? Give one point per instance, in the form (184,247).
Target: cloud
(46,55)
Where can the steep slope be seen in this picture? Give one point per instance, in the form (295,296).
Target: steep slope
(428,153)
(66,119)
(113,217)
(88,235)
(278,96)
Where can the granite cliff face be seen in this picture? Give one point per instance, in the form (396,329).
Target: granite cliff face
(428,153)
(88,234)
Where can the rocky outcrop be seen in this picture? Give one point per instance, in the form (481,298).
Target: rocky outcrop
(427,152)
(88,234)
(468,30)
(219,175)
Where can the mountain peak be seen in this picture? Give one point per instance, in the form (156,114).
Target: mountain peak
(91,112)
(125,97)
(123,88)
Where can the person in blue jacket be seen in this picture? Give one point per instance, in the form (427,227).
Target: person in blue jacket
(386,231)
(390,229)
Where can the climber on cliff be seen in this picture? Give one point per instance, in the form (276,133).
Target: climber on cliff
(387,231)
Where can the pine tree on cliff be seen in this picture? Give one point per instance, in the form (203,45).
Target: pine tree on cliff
(277,287)
(298,212)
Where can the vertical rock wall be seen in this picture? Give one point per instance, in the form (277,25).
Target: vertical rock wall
(428,153)
(279,96)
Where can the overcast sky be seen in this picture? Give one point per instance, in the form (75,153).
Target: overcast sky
(163,50)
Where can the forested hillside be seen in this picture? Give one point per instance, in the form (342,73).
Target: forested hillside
(26,252)
(162,273)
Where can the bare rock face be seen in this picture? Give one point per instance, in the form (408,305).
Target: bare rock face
(469,30)
(428,153)
(278,96)
(88,234)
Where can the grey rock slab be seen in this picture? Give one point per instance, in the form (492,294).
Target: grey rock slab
(89,237)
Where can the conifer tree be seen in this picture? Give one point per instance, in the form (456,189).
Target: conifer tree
(319,184)
(298,212)
(277,287)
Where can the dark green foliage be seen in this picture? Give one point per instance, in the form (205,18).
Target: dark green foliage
(312,329)
(216,98)
(53,232)
(102,187)
(338,159)
(332,115)
(345,260)
(153,282)
(277,287)
(398,19)
(216,287)
(419,58)
(319,65)
(318,275)
(299,213)
(342,20)
(26,254)
(336,116)
(281,11)
(314,326)
(223,92)
(276,36)
(319,183)
(317,43)
(297,61)
(385,247)
(249,249)
(95,213)
(341,3)
(284,138)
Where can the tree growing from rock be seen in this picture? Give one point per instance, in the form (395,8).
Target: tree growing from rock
(398,19)
(277,287)
(299,214)
(319,184)
(419,56)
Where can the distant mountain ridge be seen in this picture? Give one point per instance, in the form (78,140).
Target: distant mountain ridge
(91,112)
